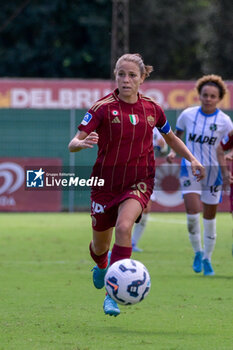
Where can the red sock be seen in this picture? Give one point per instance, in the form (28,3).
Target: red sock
(101,260)
(119,253)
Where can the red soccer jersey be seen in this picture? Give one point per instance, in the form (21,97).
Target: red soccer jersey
(125,149)
(227,143)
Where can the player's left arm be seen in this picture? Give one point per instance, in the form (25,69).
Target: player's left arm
(179,147)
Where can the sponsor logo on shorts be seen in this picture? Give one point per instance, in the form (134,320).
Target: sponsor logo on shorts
(97,208)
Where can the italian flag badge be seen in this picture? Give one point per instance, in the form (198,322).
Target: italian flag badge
(133,119)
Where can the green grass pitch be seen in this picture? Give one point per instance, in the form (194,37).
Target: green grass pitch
(48,302)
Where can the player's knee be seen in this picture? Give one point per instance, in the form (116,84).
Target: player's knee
(100,249)
(123,228)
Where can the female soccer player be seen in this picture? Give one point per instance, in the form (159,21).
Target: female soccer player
(205,126)
(122,124)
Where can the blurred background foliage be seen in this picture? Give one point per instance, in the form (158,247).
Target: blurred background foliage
(182,39)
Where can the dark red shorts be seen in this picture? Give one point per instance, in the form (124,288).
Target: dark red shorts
(104,205)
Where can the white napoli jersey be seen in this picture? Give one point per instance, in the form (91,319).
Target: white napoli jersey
(203,134)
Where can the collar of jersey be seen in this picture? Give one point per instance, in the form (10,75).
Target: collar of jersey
(208,115)
(116,92)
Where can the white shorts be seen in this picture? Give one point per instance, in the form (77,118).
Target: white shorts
(208,194)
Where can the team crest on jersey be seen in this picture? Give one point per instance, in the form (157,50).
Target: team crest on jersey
(213,127)
(134,119)
(87,118)
(115,112)
(151,120)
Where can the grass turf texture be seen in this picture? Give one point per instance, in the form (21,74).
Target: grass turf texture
(47,300)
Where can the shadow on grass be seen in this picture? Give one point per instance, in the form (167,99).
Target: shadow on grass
(143,332)
(219,277)
(209,278)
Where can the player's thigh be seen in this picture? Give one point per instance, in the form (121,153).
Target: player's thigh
(192,203)
(101,240)
(128,212)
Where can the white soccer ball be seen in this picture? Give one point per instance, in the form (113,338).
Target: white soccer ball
(127,281)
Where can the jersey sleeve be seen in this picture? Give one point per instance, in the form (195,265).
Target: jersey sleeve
(91,121)
(162,123)
(227,142)
(180,123)
(228,125)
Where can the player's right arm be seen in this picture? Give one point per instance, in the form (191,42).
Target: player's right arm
(178,145)
(172,154)
(83,140)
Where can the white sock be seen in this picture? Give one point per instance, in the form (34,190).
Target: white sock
(209,237)
(139,228)
(194,229)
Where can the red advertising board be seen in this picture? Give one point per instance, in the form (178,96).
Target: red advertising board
(81,94)
(14,197)
(168,195)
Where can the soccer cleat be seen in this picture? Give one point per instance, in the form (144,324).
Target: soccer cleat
(197,262)
(99,274)
(208,269)
(110,307)
(136,249)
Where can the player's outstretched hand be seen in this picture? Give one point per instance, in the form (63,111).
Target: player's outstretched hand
(89,141)
(197,169)
(82,140)
(170,157)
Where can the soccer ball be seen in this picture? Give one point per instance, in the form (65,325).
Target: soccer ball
(127,281)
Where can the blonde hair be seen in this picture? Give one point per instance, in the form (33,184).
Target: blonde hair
(214,80)
(145,70)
